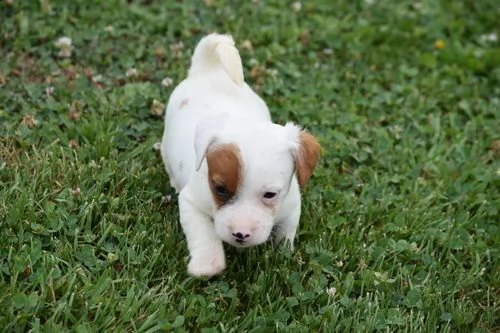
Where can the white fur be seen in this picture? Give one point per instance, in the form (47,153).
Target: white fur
(215,106)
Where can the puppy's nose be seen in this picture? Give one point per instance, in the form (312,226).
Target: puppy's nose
(241,235)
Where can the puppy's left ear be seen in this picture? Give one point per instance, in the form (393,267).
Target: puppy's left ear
(206,134)
(305,150)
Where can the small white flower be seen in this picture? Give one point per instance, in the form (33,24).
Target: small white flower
(49,90)
(297,6)
(382,277)
(247,45)
(157,108)
(29,120)
(177,48)
(167,82)
(109,28)
(331,291)
(418,6)
(111,258)
(63,42)
(253,62)
(131,72)
(272,72)
(65,47)
(97,78)
(489,37)
(396,130)
(328,51)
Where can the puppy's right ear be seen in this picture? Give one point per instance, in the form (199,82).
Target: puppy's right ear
(206,134)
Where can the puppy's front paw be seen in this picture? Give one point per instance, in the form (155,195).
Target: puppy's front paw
(207,265)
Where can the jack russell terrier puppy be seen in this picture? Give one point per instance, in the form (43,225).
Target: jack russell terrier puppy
(238,174)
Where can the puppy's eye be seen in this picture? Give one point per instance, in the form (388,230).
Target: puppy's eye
(270,195)
(221,190)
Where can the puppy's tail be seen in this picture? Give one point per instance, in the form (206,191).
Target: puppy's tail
(215,51)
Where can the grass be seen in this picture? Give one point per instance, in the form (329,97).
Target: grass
(400,230)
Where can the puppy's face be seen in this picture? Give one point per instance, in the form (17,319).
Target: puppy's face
(250,170)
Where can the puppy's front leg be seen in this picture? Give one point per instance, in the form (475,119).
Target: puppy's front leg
(287,228)
(205,247)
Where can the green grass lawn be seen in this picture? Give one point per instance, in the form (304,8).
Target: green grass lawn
(400,227)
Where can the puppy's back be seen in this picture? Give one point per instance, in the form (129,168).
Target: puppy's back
(214,89)
(215,52)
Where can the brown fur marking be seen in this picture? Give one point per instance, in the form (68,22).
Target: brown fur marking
(307,157)
(224,169)
(184,102)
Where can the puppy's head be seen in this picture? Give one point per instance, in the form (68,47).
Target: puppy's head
(251,167)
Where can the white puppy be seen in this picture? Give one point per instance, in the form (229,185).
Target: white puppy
(238,174)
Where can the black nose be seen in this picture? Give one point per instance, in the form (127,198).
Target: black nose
(240,236)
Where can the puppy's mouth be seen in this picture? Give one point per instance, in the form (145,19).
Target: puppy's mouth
(242,243)
(239,243)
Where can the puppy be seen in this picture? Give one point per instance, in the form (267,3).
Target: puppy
(238,174)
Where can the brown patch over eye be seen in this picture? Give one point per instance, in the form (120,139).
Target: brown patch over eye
(224,172)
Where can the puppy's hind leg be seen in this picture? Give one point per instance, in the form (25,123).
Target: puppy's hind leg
(205,247)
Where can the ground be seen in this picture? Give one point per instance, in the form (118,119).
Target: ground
(400,226)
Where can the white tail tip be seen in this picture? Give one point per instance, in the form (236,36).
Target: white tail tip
(214,51)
